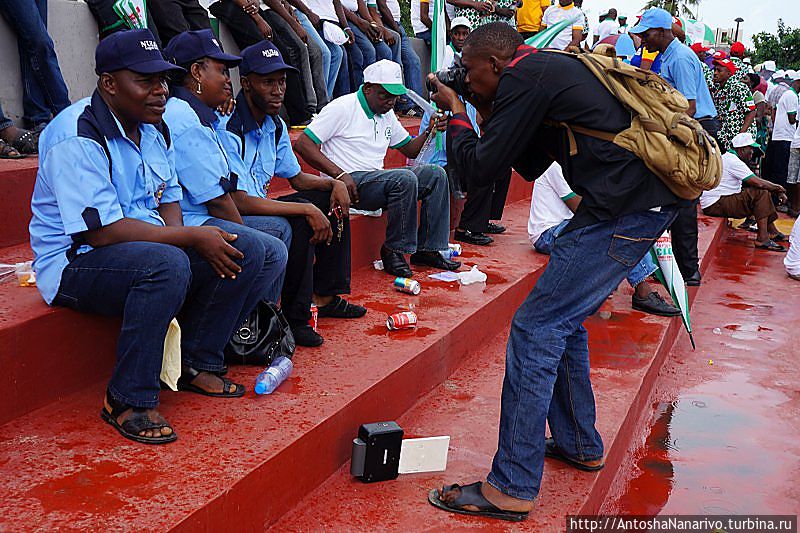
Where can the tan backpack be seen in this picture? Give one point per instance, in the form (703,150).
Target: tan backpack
(671,143)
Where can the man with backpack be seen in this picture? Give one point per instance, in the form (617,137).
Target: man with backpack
(682,69)
(526,96)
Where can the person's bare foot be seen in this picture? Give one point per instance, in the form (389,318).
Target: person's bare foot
(9,134)
(212,383)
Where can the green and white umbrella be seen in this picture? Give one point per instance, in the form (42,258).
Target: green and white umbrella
(697,32)
(670,276)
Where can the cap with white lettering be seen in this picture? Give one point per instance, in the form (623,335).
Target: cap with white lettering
(134,50)
(262,58)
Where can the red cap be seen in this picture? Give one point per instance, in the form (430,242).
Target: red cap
(719,54)
(727,63)
(737,49)
(698,47)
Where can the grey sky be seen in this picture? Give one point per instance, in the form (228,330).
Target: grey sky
(761,15)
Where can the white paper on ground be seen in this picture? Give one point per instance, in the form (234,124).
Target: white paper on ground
(472,276)
(428,454)
(444,276)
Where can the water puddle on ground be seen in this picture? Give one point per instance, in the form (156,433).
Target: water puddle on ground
(703,454)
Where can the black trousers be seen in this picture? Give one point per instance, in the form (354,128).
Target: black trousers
(684,229)
(177,16)
(245,33)
(323,269)
(484,203)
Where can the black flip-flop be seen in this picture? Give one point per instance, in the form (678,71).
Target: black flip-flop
(770,245)
(7,151)
(136,423)
(554,452)
(27,142)
(471,495)
(341,308)
(188,374)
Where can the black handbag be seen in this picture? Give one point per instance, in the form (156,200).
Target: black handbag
(264,336)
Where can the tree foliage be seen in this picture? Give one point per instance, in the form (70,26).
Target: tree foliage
(678,8)
(783,47)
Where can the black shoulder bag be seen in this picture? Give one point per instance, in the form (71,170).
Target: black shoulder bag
(262,337)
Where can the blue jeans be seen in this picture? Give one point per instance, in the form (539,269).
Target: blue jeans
(412,73)
(44,91)
(331,53)
(365,53)
(425,36)
(643,269)
(398,191)
(547,356)
(150,283)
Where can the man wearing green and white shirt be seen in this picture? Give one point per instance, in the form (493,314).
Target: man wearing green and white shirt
(348,141)
(730,199)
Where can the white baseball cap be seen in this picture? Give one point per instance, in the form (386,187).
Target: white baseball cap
(779,74)
(792,75)
(744,139)
(769,65)
(387,74)
(461,21)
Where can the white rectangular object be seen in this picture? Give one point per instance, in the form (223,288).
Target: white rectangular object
(428,454)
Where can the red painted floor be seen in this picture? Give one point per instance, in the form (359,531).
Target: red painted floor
(624,345)
(724,434)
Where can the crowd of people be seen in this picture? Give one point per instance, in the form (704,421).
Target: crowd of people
(152,197)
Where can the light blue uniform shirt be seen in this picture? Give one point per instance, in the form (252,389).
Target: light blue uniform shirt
(74,191)
(681,68)
(439,157)
(200,160)
(259,159)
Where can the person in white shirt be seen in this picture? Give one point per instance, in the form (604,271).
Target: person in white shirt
(623,25)
(348,141)
(607,27)
(793,175)
(571,36)
(776,160)
(552,206)
(422,19)
(730,200)
(792,259)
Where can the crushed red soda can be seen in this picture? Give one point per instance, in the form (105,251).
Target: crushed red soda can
(404,320)
(407,285)
(313,321)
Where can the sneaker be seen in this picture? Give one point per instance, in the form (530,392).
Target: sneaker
(654,304)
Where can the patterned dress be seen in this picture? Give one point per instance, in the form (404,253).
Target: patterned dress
(734,102)
(479,19)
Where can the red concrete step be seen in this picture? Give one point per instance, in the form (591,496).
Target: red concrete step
(627,351)
(241,464)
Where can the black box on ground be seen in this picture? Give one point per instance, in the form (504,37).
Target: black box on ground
(376,452)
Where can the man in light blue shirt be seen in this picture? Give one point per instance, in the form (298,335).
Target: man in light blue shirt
(258,148)
(108,238)
(681,68)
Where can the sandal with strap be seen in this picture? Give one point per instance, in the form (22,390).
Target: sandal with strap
(9,152)
(188,375)
(27,141)
(779,237)
(554,452)
(471,495)
(770,245)
(341,308)
(136,423)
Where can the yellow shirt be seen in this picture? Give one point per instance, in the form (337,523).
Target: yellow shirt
(529,16)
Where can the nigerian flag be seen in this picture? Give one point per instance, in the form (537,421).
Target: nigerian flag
(438,46)
(670,276)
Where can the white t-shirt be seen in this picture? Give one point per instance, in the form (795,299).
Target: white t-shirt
(353,137)
(416,23)
(796,138)
(323,9)
(548,207)
(734,173)
(350,5)
(792,259)
(556,13)
(783,130)
(606,28)
(394,7)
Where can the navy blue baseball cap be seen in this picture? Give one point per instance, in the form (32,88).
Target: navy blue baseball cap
(134,50)
(190,46)
(262,58)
